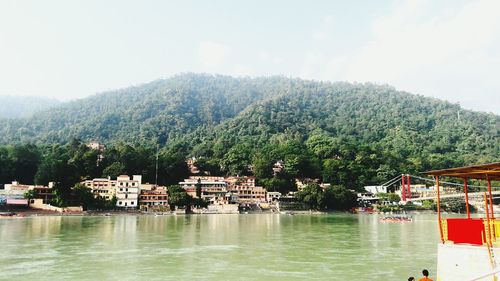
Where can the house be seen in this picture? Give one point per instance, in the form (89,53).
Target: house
(191,163)
(278,167)
(100,148)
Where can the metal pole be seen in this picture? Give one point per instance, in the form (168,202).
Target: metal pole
(466,198)
(409,186)
(403,188)
(487,219)
(156,173)
(439,210)
(491,200)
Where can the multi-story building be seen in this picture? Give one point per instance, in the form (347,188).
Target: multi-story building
(15,190)
(245,190)
(213,189)
(103,187)
(127,191)
(154,198)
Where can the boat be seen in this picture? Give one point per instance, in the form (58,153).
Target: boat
(396,219)
(470,246)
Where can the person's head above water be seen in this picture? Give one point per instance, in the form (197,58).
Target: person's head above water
(425,273)
(411,278)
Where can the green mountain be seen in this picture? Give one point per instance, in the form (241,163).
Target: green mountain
(350,134)
(23,106)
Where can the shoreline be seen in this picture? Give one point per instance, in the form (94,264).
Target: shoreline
(43,213)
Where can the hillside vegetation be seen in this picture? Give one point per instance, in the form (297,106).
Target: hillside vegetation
(345,134)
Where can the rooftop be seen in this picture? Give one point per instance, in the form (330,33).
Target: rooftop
(485,171)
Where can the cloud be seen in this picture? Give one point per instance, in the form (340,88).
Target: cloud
(448,52)
(403,43)
(213,54)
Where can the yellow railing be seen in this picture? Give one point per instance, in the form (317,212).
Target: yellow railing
(444,227)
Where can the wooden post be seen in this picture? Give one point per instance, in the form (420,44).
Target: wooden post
(466,198)
(439,210)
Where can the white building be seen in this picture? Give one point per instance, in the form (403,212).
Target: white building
(127,191)
(376,189)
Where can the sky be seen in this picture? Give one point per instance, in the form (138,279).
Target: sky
(67,49)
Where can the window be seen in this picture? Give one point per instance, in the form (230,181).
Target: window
(119,202)
(132,203)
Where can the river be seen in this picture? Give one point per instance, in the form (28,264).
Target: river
(216,247)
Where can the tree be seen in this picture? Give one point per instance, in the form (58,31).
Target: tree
(393,197)
(312,195)
(343,198)
(198,188)
(178,197)
(85,197)
(62,195)
(114,170)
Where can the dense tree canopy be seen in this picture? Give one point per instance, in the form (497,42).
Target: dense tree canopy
(345,134)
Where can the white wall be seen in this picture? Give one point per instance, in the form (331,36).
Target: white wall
(464,262)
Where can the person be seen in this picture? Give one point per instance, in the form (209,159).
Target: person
(425,273)
(411,278)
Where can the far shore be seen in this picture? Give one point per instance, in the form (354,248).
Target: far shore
(38,213)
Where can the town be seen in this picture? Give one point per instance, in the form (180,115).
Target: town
(221,194)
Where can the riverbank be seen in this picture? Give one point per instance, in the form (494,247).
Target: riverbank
(20,213)
(38,213)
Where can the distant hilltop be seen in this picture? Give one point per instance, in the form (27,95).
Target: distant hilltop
(24,106)
(172,108)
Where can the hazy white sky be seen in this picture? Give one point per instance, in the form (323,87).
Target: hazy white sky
(66,49)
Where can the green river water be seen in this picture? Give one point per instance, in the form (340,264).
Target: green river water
(216,247)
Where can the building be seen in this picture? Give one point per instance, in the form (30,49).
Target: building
(15,190)
(100,148)
(375,189)
(154,198)
(191,163)
(278,167)
(243,190)
(213,189)
(127,191)
(273,196)
(103,187)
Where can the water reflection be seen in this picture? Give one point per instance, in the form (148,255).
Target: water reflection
(216,247)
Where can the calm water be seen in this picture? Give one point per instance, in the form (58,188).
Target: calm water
(216,247)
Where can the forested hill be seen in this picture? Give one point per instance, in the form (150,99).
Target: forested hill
(23,106)
(155,111)
(350,134)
